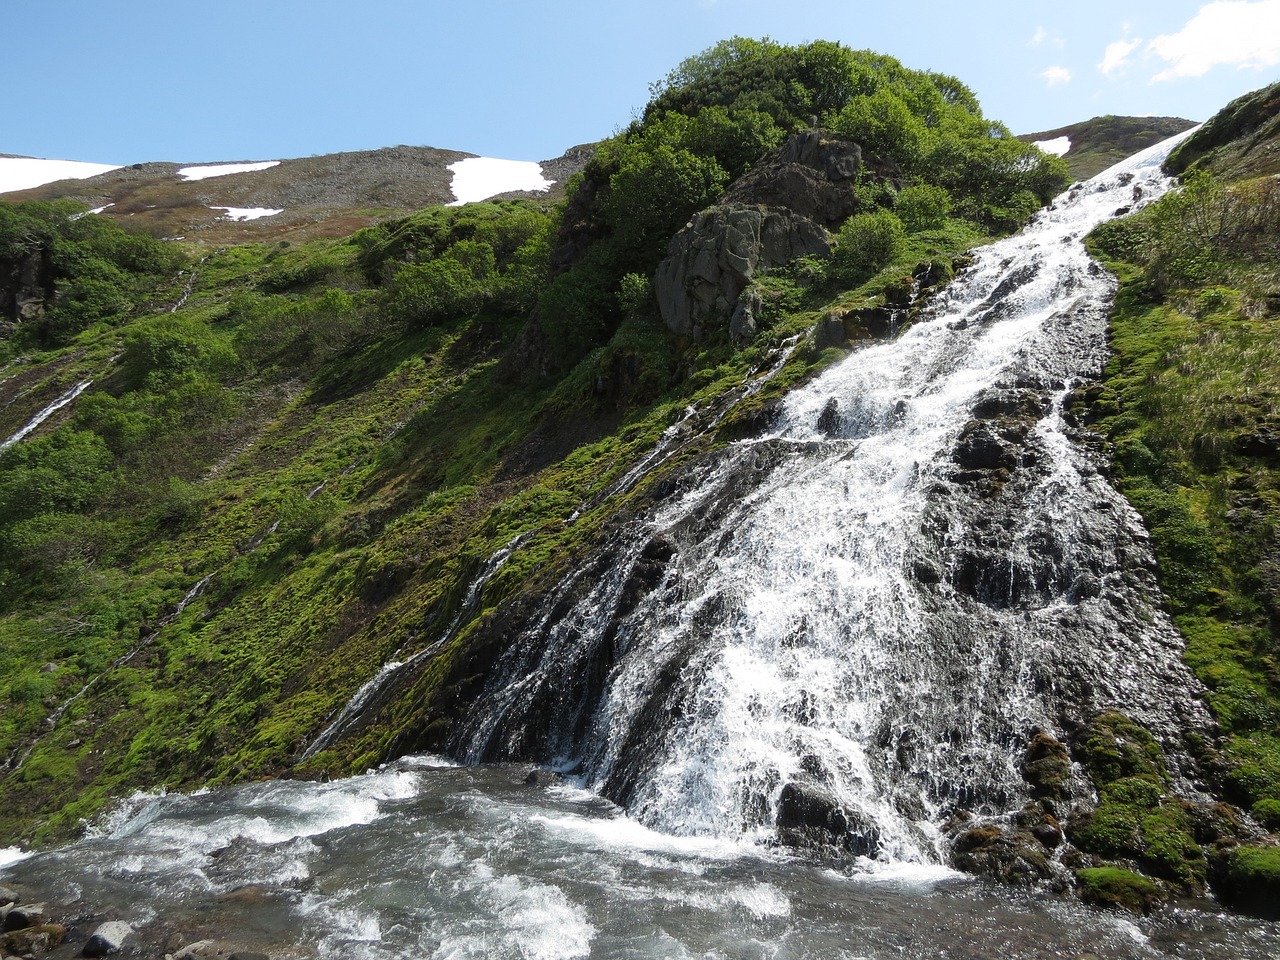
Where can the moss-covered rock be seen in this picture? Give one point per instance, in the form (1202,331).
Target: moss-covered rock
(1117,887)
(1248,878)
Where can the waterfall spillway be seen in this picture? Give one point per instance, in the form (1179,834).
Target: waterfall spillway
(883,598)
(31,425)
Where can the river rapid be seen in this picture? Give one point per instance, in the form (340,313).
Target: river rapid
(424,858)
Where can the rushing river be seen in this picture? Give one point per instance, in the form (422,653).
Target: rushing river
(423,859)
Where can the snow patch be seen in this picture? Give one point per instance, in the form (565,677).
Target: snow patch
(224,169)
(1058,146)
(23,173)
(479,178)
(246,213)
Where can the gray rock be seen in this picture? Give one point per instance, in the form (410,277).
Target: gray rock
(107,939)
(710,263)
(24,915)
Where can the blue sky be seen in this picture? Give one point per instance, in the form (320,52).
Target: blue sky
(123,81)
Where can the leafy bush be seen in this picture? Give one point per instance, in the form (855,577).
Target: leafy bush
(924,206)
(866,244)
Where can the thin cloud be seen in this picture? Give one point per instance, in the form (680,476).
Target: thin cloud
(1116,56)
(1039,37)
(1228,32)
(1056,76)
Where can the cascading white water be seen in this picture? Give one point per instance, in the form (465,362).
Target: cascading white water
(31,425)
(859,602)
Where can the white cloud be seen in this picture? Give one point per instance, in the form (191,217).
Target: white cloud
(1232,32)
(1056,76)
(1117,55)
(1039,37)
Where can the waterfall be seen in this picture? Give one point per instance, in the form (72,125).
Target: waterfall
(884,597)
(32,424)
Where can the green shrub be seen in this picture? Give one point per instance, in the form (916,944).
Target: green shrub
(924,206)
(866,244)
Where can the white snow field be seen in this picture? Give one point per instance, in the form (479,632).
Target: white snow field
(246,213)
(1058,146)
(206,171)
(23,173)
(479,178)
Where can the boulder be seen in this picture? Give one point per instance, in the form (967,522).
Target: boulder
(1046,765)
(1005,855)
(810,817)
(23,916)
(107,939)
(33,940)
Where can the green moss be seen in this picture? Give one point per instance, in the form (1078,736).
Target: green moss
(1117,887)
(1250,879)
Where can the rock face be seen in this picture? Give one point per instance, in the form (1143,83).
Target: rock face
(808,175)
(782,209)
(810,817)
(711,261)
(25,288)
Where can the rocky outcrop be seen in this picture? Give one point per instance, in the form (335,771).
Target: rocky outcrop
(782,209)
(26,285)
(808,175)
(710,263)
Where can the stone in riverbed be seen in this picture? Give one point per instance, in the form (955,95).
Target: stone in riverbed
(809,816)
(107,939)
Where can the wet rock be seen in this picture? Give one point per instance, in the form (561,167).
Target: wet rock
(810,817)
(1006,855)
(876,321)
(107,939)
(199,950)
(7,896)
(23,916)
(830,332)
(34,939)
(1046,765)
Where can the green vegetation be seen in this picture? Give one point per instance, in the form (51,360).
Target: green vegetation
(80,269)
(718,112)
(1190,408)
(1137,820)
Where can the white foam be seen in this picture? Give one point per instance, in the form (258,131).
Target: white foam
(1058,146)
(479,178)
(224,169)
(246,213)
(623,833)
(10,855)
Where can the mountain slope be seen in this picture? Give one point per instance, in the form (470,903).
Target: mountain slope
(326,196)
(1096,144)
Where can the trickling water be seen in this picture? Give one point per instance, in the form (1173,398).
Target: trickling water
(354,709)
(882,599)
(34,423)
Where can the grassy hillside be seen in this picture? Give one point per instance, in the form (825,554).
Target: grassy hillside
(1191,410)
(294,457)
